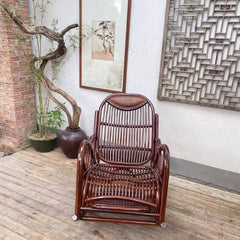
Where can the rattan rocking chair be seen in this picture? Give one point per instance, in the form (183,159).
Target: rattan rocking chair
(124,168)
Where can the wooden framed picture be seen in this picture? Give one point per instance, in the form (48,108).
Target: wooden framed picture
(104,52)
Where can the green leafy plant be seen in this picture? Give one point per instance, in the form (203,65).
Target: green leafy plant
(54,119)
(44,118)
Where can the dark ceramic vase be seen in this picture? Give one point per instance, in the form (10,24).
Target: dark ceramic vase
(70,140)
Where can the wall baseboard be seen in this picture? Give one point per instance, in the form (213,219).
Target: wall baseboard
(208,175)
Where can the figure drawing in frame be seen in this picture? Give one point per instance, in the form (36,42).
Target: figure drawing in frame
(103,40)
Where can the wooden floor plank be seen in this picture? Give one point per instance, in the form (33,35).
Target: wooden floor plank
(36,181)
(53,202)
(37,221)
(50,175)
(198,227)
(42,167)
(23,231)
(37,200)
(205,190)
(218,202)
(29,188)
(44,160)
(213,204)
(228,218)
(8,234)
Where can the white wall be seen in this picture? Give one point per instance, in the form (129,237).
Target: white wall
(204,135)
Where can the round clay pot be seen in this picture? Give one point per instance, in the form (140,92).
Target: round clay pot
(70,140)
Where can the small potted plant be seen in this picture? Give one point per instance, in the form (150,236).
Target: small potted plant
(44,138)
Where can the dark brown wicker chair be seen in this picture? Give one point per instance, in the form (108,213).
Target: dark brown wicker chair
(124,168)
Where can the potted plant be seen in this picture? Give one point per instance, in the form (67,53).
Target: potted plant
(44,138)
(73,135)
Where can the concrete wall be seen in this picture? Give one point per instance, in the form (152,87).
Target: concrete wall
(198,134)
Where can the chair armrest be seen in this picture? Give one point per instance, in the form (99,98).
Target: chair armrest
(86,157)
(92,139)
(163,167)
(162,159)
(85,161)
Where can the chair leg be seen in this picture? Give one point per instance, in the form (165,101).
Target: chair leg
(75,217)
(78,197)
(79,216)
(163,208)
(164,191)
(163,225)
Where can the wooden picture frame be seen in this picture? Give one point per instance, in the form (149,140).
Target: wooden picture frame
(104,52)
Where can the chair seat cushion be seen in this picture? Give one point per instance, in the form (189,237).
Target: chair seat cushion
(118,186)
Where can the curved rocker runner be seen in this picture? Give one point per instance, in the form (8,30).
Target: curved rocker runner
(124,168)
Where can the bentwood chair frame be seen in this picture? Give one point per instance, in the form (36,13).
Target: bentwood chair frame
(124,168)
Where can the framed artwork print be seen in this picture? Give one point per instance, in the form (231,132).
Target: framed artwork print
(104,25)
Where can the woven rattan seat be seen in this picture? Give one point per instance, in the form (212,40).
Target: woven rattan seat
(126,205)
(133,183)
(124,168)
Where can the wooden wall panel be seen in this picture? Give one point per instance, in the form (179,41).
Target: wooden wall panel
(201,53)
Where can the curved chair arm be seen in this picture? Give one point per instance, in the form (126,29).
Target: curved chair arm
(86,156)
(85,161)
(162,158)
(162,164)
(92,139)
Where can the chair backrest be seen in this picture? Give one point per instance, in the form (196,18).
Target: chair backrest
(126,130)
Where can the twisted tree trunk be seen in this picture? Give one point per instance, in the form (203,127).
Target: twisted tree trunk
(61,50)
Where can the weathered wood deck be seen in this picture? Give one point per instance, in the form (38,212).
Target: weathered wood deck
(37,201)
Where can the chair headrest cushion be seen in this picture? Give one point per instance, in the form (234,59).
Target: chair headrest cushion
(127,101)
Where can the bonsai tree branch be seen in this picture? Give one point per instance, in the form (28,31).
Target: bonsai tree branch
(61,50)
(73,122)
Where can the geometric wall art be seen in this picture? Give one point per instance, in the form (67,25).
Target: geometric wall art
(201,53)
